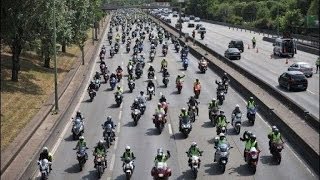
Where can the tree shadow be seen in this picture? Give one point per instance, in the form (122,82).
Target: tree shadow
(92,175)
(242,170)
(152,132)
(211,141)
(207,124)
(246,123)
(199,72)
(73,169)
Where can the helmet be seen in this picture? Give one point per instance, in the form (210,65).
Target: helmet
(78,112)
(136,100)
(253,137)
(100,143)
(183,109)
(128,148)
(276,131)
(273,128)
(225,73)
(193,144)
(119,66)
(45,149)
(251,98)
(197,80)
(213,99)
(81,138)
(159,152)
(221,135)
(222,112)
(141,92)
(237,106)
(109,118)
(162,96)
(118,87)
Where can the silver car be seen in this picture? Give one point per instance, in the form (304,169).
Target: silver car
(304,67)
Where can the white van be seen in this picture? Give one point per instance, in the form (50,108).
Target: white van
(285,47)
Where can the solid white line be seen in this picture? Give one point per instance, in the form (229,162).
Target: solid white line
(310,91)
(118,129)
(120,114)
(115,143)
(112,162)
(170,129)
(155,77)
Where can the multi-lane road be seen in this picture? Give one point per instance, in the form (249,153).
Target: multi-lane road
(144,138)
(260,62)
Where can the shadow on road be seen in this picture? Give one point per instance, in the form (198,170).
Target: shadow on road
(69,138)
(207,124)
(152,132)
(92,175)
(73,169)
(86,101)
(129,124)
(113,106)
(186,175)
(174,92)
(121,177)
(178,136)
(268,160)
(213,169)
(242,170)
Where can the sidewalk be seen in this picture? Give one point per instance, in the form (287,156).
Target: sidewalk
(26,145)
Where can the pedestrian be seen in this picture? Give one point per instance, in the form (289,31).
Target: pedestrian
(318,64)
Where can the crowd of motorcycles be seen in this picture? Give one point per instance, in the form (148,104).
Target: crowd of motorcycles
(122,22)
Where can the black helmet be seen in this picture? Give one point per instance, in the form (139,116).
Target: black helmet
(141,92)
(253,137)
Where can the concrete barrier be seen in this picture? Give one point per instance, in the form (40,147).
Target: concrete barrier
(300,47)
(305,150)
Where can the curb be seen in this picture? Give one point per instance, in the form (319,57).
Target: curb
(28,131)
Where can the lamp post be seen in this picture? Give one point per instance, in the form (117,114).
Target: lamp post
(180,23)
(278,20)
(56,105)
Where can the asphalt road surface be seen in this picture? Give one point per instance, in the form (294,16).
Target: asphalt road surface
(260,63)
(144,138)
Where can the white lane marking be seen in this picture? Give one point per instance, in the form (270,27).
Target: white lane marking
(120,115)
(108,178)
(170,129)
(115,143)
(310,91)
(118,129)
(155,77)
(122,63)
(112,162)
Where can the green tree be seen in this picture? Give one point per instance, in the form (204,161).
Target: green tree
(314,8)
(249,12)
(17,21)
(290,20)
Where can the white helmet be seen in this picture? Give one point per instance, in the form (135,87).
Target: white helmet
(237,106)
(213,99)
(81,138)
(45,149)
(221,134)
(193,144)
(128,148)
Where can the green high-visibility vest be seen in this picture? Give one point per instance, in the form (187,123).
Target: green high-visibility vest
(276,138)
(251,104)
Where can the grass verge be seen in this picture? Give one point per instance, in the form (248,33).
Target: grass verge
(20,101)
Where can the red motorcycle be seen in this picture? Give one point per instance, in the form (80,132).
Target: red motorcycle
(196,90)
(161,171)
(179,86)
(159,120)
(119,75)
(252,158)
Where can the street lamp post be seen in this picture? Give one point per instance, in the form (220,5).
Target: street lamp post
(56,105)
(278,21)
(180,23)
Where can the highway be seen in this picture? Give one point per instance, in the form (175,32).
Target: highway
(260,63)
(144,139)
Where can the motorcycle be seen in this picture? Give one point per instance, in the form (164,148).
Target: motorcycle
(165,81)
(202,36)
(138,72)
(108,135)
(131,85)
(159,121)
(130,69)
(119,75)
(185,63)
(44,168)
(136,115)
(161,171)
(160,41)
(128,49)
(150,74)
(118,99)
(221,129)
(113,82)
(82,156)
(140,48)
(102,57)
(194,164)
(110,42)
(203,66)
(197,90)
(213,115)
(123,40)
(222,155)
(252,158)
(192,113)
(97,84)
(105,77)
(220,97)
(151,56)
(92,94)
(251,115)
(77,128)
(226,85)
(275,150)
(150,92)
(177,48)
(179,86)
(186,126)
(112,53)
(236,122)
(128,167)
(100,166)
(164,52)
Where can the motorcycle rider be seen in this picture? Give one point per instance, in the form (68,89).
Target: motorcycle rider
(100,150)
(225,78)
(135,104)
(218,141)
(197,82)
(183,114)
(79,115)
(249,143)
(119,90)
(162,99)
(194,151)
(46,155)
(220,86)
(112,51)
(119,69)
(128,154)
(161,157)
(113,75)
(97,76)
(165,46)
(213,104)
(274,136)
(109,121)
(82,143)
(92,86)
(118,37)
(131,77)
(159,109)
(253,42)
(235,112)
(142,98)
(179,78)
(151,69)
(151,84)
(193,102)
(251,104)
(164,64)
(221,120)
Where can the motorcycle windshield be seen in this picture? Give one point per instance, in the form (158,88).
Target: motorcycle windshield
(185,120)
(223,147)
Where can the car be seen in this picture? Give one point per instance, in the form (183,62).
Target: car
(236,44)
(186,19)
(177,26)
(304,67)
(232,53)
(190,25)
(168,20)
(202,29)
(198,26)
(192,17)
(196,19)
(293,80)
